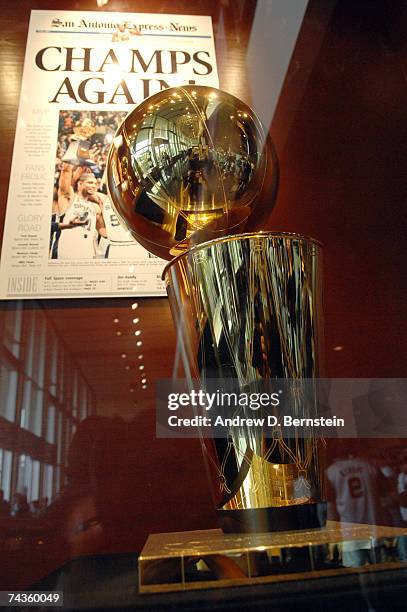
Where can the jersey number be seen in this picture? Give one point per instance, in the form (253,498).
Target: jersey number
(114,221)
(355,487)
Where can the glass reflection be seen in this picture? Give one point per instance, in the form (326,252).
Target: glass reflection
(43,396)
(50,512)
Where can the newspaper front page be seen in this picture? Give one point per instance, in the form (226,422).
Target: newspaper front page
(83,72)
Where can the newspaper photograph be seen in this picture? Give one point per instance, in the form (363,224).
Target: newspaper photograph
(62,237)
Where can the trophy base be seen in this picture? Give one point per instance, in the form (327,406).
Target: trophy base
(280,518)
(211,559)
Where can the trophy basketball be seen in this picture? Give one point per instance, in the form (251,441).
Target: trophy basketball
(193,176)
(77,152)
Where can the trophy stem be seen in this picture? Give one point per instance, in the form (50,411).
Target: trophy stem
(248,310)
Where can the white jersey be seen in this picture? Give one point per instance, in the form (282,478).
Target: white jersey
(79,242)
(114,230)
(121,244)
(355,485)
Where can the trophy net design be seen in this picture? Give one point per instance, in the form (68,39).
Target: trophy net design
(189,171)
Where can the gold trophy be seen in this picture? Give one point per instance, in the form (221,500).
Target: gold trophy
(77,152)
(193,176)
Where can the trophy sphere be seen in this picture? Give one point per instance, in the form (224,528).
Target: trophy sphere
(191,164)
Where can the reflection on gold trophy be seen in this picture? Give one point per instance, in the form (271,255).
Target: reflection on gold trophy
(190,170)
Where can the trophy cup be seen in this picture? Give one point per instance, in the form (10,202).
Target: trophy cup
(77,152)
(193,175)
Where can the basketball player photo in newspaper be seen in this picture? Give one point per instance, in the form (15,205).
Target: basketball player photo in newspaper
(80,201)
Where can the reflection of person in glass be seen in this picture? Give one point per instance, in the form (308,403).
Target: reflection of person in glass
(20,507)
(4,505)
(355,489)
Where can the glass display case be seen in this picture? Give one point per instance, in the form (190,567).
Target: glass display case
(92,503)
